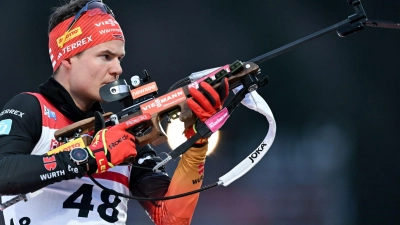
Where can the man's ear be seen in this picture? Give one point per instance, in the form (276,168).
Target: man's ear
(67,63)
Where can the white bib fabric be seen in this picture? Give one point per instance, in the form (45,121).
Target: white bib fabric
(77,201)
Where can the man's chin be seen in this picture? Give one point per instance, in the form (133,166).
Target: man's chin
(99,99)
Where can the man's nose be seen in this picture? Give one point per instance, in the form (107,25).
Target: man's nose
(116,69)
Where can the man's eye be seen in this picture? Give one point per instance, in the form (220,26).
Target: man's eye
(107,57)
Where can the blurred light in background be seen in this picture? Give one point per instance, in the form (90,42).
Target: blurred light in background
(176,137)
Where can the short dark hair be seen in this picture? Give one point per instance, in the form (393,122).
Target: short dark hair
(64,12)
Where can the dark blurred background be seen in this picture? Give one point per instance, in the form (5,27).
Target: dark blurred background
(335,100)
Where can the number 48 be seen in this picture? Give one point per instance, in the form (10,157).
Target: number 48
(85,205)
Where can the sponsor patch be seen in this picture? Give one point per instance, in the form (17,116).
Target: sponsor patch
(77,143)
(74,170)
(118,36)
(217,120)
(77,44)
(49,113)
(200,168)
(107,22)
(5,126)
(68,36)
(12,112)
(116,143)
(144,90)
(198,180)
(172,98)
(54,144)
(50,163)
(257,152)
(51,175)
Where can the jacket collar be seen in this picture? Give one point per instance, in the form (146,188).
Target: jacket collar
(63,101)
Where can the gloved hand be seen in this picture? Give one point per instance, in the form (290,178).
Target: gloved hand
(111,146)
(205,102)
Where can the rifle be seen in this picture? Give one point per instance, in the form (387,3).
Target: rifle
(141,99)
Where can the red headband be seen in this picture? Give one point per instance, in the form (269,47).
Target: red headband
(92,28)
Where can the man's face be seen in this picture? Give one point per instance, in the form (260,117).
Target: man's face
(94,68)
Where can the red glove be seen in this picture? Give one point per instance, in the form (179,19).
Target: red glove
(205,102)
(111,146)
